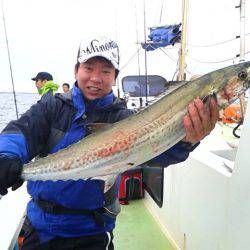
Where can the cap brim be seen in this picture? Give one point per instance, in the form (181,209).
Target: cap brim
(33,79)
(116,66)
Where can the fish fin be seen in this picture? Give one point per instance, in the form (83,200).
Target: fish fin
(208,97)
(94,127)
(104,177)
(109,180)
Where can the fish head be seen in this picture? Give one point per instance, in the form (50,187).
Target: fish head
(237,82)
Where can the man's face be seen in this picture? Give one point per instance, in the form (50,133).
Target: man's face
(40,83)
(95,78)
(65,88)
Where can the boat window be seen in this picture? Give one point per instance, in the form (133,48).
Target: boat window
(153,179)
(136,85)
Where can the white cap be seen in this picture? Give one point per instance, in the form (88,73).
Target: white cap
(99,46)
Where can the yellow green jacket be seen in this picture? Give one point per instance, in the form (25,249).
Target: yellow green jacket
(48,86)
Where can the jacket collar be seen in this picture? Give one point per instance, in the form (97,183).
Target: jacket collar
(82,105)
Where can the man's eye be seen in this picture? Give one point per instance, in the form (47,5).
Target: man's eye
(106,71)
(87,68)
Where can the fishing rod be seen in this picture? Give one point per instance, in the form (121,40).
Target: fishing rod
(7,44)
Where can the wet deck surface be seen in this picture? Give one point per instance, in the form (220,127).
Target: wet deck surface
(136,229)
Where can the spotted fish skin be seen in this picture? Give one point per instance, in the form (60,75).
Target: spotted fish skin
(141,136)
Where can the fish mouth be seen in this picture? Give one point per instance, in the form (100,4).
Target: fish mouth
(246,84)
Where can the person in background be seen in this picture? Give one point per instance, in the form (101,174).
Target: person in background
(79,214)
(44,83)
(65,87)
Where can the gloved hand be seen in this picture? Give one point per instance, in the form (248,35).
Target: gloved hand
(10,174)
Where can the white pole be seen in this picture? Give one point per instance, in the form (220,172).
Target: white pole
(242,49)
(242,30)
(181,75)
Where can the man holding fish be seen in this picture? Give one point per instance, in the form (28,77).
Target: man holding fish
(77,213)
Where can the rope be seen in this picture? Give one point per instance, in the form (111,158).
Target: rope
(161,10)
(167,55)
(130,59)
(215,44)
(225,60)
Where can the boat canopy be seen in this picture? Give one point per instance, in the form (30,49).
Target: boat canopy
(162,36)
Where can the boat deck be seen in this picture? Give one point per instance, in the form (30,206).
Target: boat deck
(136,229)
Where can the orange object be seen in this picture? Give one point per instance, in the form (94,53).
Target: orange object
(20,242)
(232,114)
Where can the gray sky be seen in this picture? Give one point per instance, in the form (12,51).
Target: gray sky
(44,35)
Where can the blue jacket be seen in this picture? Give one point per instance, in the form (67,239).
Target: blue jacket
(54,123)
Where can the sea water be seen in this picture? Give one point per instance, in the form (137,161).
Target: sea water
(7,106)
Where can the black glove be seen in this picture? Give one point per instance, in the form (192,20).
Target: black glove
(10,174)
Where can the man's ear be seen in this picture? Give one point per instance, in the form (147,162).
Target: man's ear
(43,82)
(76,70)
(116,74)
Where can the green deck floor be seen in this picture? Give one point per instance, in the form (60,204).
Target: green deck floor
(136,229)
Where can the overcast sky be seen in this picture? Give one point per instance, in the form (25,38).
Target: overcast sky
(44,35)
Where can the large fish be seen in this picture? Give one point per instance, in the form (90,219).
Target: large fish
(141,136)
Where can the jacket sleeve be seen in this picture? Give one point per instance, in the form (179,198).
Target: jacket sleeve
(24,138)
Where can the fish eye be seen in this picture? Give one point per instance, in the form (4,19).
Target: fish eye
(242,75)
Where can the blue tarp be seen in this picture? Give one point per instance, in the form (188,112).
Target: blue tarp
(162,37)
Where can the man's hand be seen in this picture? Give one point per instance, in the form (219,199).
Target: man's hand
(10,174)
(200,121)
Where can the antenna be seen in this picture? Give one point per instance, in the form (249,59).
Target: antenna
(7,44)
(138,54)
